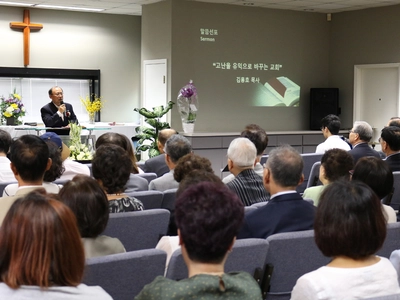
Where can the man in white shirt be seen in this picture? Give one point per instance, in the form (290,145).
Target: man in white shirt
(6,175)
(330,126)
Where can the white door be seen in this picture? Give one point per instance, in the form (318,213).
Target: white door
(376,95)
(154,89)
(155,85)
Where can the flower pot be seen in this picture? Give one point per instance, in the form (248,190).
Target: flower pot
(11,121)
(188,127)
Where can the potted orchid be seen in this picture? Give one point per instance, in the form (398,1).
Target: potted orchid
(12,109)
(188,105)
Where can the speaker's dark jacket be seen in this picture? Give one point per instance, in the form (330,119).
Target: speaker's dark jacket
(52,119)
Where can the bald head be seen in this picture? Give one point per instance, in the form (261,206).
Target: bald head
(163,136)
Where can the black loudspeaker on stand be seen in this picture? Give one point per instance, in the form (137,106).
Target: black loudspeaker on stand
(323,101)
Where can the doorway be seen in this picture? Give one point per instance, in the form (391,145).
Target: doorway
(376,95)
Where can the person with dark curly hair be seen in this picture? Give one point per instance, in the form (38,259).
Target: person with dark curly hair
(350,228)
(335,164)
(111,167)
(170,242)
(41,254)
(87,200)
(122,141)
(208,216)
(135,182)
(190,162)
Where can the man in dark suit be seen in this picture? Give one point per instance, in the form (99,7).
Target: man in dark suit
(359,137)
(157,164)
(286,210)
(57,113)
(390,143)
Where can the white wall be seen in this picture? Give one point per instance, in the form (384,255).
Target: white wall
(75,40)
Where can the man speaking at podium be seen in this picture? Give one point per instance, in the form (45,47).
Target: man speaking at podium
(57,113)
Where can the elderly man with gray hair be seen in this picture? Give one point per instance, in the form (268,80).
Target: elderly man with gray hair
(175,147)
(247,184)
(286,210)
(359,136)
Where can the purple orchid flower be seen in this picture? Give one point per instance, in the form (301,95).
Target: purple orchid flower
(187,92)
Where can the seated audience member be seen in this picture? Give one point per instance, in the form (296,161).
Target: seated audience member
(41,254)
(208,217)
(259,137)
(349,227)
(135,183)
(176,147)
(71,167)
(111,167)
(55,171)
(247,184)
(330,126)
(390,144)
(193,177)
(375,173)
(122,141)
(29,157)
(87,200)
(158,164)
(335,164)
(189,163)
(359,137)
(286,210)
(6,175)
(394,121)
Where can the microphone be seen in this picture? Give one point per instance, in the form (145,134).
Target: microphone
(61,102)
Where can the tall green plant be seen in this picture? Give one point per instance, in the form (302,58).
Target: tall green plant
(145,133)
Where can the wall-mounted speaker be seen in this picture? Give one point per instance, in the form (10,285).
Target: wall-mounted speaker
(323,101)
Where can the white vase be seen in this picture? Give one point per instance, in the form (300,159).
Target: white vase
(188,127)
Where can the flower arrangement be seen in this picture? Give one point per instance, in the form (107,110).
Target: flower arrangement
(92,106)
(188,106)
(12,107)
(78,150)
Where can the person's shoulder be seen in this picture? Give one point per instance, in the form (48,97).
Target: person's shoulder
(155,289)
(95,292)
(245,282)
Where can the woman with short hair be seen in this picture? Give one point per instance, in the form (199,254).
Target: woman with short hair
(87,200)
(335,164)
(111,167)
(349,227)
(375,173)
(208,216)
(41,254)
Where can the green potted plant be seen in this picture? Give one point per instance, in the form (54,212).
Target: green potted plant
(145,133)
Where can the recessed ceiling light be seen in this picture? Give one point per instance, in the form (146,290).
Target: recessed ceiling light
(15,3)
(68,7)
(248,3)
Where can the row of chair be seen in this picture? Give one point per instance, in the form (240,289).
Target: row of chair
(276,263)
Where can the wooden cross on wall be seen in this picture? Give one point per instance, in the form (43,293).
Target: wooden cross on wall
(26,26)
